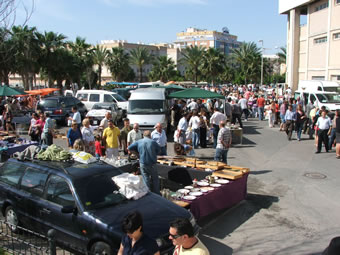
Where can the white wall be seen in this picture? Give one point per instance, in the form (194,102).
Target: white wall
(286,5)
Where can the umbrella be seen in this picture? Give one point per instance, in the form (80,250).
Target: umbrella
(42,92)
(8,91)
(195,93)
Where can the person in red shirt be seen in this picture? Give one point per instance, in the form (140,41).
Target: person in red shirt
(98,146)
(260,104)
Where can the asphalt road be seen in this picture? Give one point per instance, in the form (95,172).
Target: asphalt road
(286,211)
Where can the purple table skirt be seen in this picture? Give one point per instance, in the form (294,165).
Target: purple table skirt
(223,197)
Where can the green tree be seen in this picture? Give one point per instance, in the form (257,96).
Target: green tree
(140,57)
(192,58)
(118,63)
(163,69)
(212,64)
(27,50)
(99,59)
(51,43)
(7,60)
(282,55)
(248,62)
(83,64)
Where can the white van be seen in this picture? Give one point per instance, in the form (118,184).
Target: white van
(147,107)
(149,84)
(330,100)
(91,97)
(315,86)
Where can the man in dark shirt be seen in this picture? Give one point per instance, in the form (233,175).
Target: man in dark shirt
(135,242)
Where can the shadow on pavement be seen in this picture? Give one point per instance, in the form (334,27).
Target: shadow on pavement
(219,226)
(215,247)
(260,172)
(251,130)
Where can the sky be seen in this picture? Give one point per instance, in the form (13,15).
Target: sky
(157,21)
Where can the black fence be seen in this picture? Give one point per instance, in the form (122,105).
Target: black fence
(25,241)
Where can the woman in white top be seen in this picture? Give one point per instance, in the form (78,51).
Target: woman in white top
(88,137)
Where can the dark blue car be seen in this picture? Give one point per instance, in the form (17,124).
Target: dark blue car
(81,203)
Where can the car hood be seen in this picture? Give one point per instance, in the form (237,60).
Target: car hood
(123,105)
(97,113)
(157,212)
(146,120)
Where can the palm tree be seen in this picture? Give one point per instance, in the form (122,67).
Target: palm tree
(192,57)
(82,52)
(140,57)
(99,58)
(27,51)
(118,63)
(212,64)
(50,42)
(282,55)
(7,61)
(248,60)
(163,69)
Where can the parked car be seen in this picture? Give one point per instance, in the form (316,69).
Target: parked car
(81,203)
(91,97)
(98,111)
(60,107)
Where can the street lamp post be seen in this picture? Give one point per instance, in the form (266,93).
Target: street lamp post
(261,41)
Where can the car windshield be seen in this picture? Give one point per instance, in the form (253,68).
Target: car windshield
(146,107)
(332,89)
(50,103)
(101,107)
(98,191)
(329,98)
(118,97)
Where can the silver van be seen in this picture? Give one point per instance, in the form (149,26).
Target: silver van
(147,107)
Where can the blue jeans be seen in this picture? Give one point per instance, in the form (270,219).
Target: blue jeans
(163,151)
(221,153)
(299,127)
(215,134)
(261,111)
(150,177)
(331,138)
(282,117)
(195,138)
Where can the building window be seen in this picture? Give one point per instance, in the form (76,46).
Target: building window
(322,6)
(337,35)
(318,78)
(335,77)
(320,40)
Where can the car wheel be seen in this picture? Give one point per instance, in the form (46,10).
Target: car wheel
(101,248)
(12,220)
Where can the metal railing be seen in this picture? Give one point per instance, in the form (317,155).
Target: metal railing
(25,241)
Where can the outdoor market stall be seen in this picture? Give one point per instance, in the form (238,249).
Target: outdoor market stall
(197,93)
(203,186)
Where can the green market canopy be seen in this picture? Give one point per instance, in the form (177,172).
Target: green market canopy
(195,93)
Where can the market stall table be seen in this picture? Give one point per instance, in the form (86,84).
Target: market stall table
(223,197)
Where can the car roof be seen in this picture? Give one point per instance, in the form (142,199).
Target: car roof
(72,168)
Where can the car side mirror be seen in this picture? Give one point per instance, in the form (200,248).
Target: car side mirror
(69,209)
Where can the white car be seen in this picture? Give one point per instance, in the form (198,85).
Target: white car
(98,111)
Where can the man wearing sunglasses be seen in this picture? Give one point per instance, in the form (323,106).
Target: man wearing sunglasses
(181,233)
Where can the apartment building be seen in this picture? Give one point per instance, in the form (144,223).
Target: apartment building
(155,49)
(313,40)
(223,41)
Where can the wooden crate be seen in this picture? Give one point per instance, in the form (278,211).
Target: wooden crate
(227,174)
